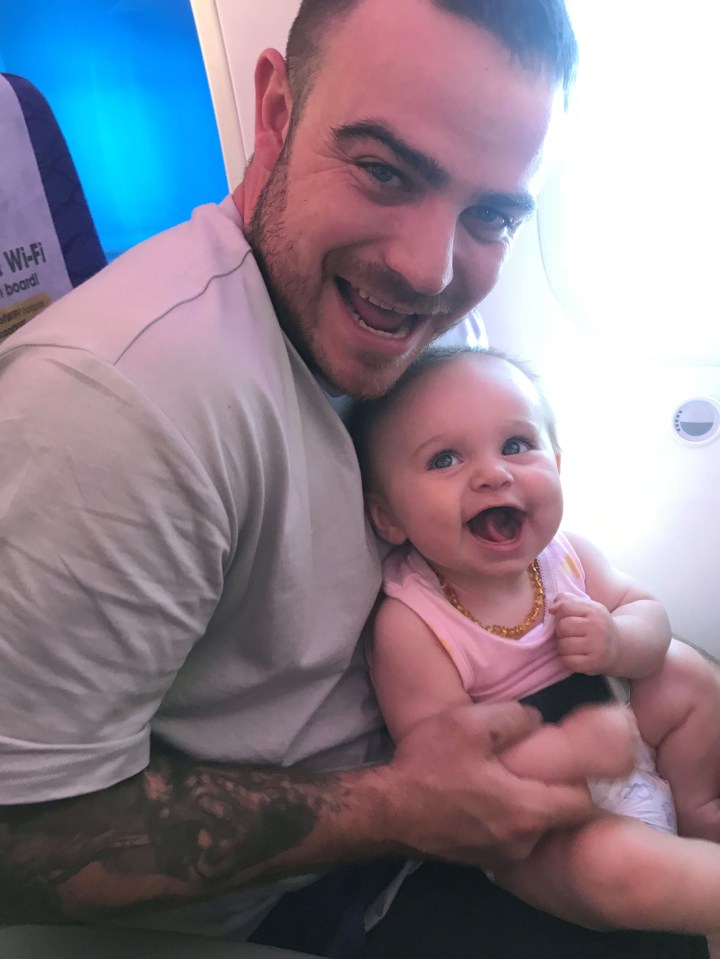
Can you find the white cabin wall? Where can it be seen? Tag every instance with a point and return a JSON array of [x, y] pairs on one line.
[[232, 34]]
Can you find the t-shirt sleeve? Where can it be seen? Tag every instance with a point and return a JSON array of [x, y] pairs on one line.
[[113, 544]]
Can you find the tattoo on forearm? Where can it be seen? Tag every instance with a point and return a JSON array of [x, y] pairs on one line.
[[176, 831]]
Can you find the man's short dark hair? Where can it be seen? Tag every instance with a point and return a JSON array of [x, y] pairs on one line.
[[537, 32]]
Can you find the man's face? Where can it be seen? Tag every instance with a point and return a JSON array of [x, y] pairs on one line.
[[394, 202]]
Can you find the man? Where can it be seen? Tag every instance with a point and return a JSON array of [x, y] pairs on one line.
[[186, 569]]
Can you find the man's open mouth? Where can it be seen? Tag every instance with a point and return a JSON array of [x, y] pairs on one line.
[[378, 317], [499, 524]]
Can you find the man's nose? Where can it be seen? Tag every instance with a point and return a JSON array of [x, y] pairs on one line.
[[422, 248]]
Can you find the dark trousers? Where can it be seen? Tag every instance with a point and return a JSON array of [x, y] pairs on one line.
[[445, 911]]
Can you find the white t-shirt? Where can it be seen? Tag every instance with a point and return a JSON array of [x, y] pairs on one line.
[[182, 533]]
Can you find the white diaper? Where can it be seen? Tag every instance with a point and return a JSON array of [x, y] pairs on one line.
[[644, 795]]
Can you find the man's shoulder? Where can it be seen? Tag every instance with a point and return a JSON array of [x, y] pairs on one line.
[[181, 325], [155, 284]]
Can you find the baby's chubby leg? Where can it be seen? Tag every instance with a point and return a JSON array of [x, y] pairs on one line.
[[678, 713], [613, 871], [618, 873]]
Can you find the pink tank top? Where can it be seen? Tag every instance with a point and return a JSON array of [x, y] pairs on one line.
[[492, 669]]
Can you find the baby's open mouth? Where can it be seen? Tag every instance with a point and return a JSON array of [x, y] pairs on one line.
[[499, 524]]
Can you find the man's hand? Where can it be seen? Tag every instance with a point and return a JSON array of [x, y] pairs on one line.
[[587, 636], [460, 788]]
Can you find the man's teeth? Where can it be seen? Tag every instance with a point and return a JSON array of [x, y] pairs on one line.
[[399, 334], [383, 306]]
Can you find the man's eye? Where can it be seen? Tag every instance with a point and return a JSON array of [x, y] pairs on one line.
[[487, 223], [383, 173], [443, 460], [486, 214], [516, 445]]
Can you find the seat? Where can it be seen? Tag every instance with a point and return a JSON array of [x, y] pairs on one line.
[[48, 240], [70, 942]]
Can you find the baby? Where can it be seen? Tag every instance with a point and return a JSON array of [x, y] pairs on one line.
[[486, 600]]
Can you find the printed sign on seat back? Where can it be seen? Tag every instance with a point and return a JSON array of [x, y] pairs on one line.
[[48, 241]]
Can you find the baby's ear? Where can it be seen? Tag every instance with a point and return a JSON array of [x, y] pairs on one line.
[[382, 518]]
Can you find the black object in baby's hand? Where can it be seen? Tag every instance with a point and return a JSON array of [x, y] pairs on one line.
[[556, 701]]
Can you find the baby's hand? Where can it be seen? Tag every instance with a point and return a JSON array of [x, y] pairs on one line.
[[586, 634]]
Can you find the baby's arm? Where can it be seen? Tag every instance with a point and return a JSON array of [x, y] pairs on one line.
[[618, 629], [414, 677], [489, 764]]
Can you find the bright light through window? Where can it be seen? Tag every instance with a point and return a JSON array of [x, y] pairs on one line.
[[630, 222]]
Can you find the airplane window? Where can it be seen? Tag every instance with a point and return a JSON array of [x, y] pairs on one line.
[[126, 81], [629, 221]]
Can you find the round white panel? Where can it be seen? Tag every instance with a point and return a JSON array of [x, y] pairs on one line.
[[697, 420]]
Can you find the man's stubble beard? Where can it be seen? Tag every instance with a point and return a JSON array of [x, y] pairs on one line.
[[265, 232], [272, 247]]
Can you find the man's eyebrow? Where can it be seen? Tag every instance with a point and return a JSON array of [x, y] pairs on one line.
[[524, 203], [428, 168]]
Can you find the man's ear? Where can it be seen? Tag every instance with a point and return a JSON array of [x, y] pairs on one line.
[[384, 523], [273, 105]]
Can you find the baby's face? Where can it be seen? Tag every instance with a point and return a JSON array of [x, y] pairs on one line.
[[465, 470]]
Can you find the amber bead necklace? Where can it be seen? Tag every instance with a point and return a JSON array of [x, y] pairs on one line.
[[506, 632]]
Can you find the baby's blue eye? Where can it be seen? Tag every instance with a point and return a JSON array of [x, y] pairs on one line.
[[515, 445], [443, 460]]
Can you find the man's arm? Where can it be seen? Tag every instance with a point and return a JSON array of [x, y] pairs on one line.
[[181, 832], [177, 831]]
